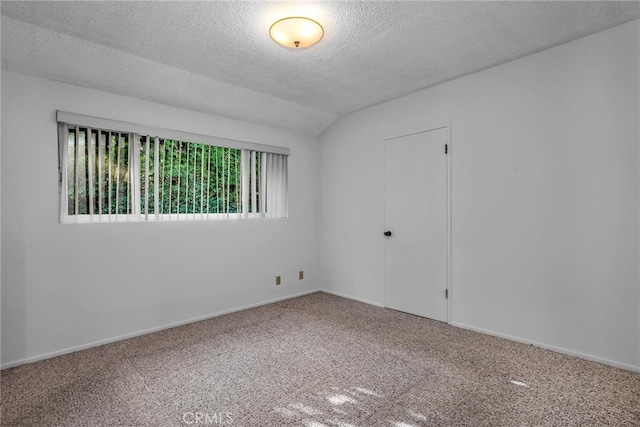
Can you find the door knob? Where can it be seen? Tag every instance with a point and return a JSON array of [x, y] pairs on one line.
[[387, 233]]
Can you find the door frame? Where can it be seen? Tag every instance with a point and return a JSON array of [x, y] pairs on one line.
[[447, 127]]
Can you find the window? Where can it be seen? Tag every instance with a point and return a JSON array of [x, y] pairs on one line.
[[115, 171]]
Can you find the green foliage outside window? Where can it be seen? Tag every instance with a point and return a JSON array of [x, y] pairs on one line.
[[192, 178]]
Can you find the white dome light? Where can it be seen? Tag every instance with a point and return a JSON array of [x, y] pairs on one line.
[[296, 32]]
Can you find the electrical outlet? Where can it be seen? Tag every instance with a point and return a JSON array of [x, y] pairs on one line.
[[300, 275], [277, 280]]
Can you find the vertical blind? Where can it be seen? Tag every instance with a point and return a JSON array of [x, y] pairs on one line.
[[108, 175]]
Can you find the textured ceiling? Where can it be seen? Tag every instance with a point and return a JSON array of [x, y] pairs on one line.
[[217, 57]]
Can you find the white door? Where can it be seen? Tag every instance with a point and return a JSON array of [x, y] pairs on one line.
[[416, 260]]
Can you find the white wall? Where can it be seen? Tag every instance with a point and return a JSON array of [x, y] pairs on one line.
[[65, 286], [545, 196]]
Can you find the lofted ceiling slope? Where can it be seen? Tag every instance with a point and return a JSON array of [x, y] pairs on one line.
[[217, 57]]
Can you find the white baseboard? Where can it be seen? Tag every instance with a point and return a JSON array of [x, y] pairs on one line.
[[258, 304], [147, 331], [512, 338], [338, 294], [551, 347]]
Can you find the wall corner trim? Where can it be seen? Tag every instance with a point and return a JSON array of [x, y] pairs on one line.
[[362, 300]]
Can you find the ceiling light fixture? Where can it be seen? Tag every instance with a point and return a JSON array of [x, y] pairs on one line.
[[296, 32]]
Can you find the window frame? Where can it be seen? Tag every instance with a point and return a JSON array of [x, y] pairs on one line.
[[66, 119]]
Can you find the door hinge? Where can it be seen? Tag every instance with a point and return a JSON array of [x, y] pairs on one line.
[[446, 148], [446, 293]]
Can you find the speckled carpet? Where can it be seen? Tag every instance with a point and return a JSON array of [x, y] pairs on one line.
[[318, 360]]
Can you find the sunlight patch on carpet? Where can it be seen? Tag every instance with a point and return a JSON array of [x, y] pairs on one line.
[[305, 409], [417, 415], [341, 399], [366, 391]]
